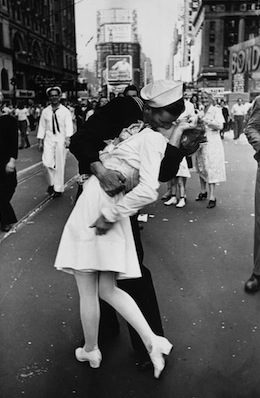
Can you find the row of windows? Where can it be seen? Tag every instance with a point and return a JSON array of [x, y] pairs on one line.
[[235, 7]]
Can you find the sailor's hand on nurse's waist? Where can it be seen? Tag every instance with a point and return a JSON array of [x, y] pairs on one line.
[[110, 180], [102, 225]]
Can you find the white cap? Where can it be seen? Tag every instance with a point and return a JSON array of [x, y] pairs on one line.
[[56, 88], [162, 93]]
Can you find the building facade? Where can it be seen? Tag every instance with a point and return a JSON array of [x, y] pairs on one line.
[[218, 25], [37, 48], [118, 49], [181, 64]]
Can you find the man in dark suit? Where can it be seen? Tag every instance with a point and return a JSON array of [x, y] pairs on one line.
[[8, 155], [252, 132]]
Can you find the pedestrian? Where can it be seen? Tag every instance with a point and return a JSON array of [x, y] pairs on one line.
[[131, 90], [85, 145], [177, 186], [97, 244], [22, 115], [102, 102], [179, 183], [225, 113], [54, 132], [92, 108], [210, 159], [238, 114], [252, 132], [8, 156]]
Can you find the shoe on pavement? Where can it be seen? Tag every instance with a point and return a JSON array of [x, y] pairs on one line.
[[166, 196], [50, 189], [6, 227], [94, 357], [212, 204], [181, 203], [171, 201], [252, 285], [57, 194]]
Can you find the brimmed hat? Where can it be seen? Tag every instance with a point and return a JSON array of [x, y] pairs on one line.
[[162, 93], [56, 88]]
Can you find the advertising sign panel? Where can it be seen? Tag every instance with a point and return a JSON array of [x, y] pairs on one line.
[[245, 65], [117, 33], [119, 68]]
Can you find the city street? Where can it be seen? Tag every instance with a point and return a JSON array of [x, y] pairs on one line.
[[199, 258]]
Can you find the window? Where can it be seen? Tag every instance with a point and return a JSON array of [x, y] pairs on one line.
[[211, 56], [212, 26], [4, 79], [212, 37], [220, 8]]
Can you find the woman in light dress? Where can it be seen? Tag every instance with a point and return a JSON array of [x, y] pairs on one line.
[[210, 159], [97, 244]]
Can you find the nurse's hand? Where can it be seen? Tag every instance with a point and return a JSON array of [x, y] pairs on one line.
[[102, 225], [110, 180]]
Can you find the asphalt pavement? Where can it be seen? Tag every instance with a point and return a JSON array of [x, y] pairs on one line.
[[199, 258]]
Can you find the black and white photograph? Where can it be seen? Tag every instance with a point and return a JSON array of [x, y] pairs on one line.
[[129, 198]]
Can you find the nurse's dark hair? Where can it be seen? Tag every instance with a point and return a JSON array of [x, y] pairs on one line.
[[176, 108]]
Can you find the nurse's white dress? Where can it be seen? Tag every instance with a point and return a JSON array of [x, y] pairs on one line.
[[210, 157], [80, 248]]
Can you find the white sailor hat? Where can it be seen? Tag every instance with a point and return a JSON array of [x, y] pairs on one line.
[[162, 93], [56, 88]]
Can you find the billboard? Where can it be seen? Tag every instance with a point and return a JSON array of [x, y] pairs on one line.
[[117, 32], [119, 68], [244, 69], [115, 15]]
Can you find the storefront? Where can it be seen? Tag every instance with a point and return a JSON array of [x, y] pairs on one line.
[[244, 72]]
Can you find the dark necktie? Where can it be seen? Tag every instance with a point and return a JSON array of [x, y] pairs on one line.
[[55, 121]]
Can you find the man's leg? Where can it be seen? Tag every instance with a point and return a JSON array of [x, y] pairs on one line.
[[235, 128], [143, 292], [253, 283], [7, 188], [240, 125], [60, 161]]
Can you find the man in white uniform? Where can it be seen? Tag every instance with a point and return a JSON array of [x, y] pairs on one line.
[[55, 130], [238, 113]]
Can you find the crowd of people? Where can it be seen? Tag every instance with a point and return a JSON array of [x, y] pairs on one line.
[[124, 147]]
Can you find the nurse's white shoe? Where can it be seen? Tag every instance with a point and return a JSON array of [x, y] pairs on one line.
[[181, 203], [93, 357], [171, 201]]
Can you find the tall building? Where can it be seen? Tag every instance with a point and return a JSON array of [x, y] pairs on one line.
[[218, 25], [37, 47], [118, 49], [180, 65]]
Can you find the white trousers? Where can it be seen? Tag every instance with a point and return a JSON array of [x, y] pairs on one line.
[[54, 159]]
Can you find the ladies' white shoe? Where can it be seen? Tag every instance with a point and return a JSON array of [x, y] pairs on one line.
[[93, 357], [181, 203], [171, 201], [160, 347]]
